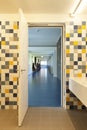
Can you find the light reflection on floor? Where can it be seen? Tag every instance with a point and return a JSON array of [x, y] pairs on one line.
[[44, 89]]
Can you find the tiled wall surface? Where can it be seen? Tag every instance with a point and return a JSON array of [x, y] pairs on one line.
[[9, 41], [76, 61], [76, 58]]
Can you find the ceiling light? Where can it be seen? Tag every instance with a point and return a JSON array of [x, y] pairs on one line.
[[78, 6]]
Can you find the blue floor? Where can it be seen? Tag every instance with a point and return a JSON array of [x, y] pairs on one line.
[[44, 89]]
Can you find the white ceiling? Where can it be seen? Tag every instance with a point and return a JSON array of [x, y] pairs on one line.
[[46, 52], [44, 36], [37, 6], [43, 40]]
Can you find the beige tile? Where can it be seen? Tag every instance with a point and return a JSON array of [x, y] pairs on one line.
[[45, 119]]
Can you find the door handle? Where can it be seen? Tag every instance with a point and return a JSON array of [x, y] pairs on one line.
[[23, 70]]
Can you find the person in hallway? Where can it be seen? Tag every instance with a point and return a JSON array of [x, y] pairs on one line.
[[38, 66], [33, 67]]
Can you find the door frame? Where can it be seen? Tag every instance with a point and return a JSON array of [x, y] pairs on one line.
[[62, 25]]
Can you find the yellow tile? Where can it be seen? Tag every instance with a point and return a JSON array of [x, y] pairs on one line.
[[86, 66], [83, 50], [3, 43], [67, 51], [79, 103], [83, 26], [0, 71], [17, 47], [11, 62], [6, 90], [79, 75], [86, 38], [67, 71], [67, 99], [75, 43], [15, 26], [17, 99], [67, 35], [79, 31], [14, 78]]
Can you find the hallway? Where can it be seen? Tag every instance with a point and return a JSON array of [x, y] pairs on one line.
[[44, 89]]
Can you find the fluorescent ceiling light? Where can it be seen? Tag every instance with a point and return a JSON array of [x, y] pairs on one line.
[[78, 6]]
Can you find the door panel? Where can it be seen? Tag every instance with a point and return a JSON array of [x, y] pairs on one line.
[[23, 68]]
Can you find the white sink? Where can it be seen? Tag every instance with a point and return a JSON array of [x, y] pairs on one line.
[[79, 87]]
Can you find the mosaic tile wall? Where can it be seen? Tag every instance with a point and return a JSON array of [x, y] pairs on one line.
[[9, 40], [76, 58]]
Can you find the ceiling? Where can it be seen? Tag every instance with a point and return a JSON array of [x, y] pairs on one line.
[[46, 52], [44, 36], [42, 51], [38, 6], [43, 40]]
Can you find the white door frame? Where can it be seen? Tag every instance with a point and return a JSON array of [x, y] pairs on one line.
[[62, 25]]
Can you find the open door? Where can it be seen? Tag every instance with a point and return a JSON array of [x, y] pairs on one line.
[[23, 68]]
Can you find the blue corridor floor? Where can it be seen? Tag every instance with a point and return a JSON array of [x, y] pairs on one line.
[[44, 89]]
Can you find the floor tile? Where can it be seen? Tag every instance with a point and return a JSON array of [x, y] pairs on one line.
[[45, 118], [44, 89]]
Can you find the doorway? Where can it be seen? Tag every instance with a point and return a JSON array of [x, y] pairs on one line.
[[56, 71]]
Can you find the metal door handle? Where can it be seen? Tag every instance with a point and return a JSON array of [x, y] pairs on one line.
[[23, 70]]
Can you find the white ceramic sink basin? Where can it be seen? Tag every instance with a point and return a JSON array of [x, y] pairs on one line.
[[79, 87]]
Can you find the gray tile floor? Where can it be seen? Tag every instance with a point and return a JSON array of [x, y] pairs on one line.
[[40, 118]]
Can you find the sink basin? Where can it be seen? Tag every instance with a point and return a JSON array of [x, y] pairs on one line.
[[78, 86]]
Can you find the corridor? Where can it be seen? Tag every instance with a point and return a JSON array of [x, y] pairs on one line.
[[44, 89]]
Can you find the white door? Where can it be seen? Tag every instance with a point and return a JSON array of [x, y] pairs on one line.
[[23, 68]]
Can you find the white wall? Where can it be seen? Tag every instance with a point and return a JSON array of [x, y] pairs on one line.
[[9, 17], [55, 63], [52, 63], [30, 60], [44, 18], [43, 62], [59, 59], [53, 18]]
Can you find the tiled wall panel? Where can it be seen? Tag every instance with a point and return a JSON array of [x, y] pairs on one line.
[[9, 41], [76, 58], [76, 61]]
